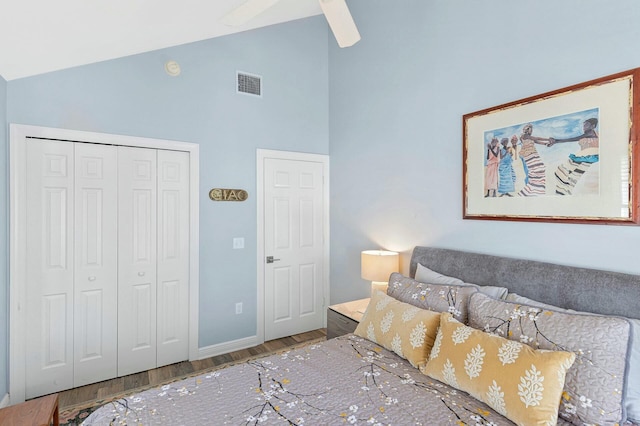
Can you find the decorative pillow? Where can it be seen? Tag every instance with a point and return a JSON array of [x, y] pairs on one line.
[[433, 297], [426, 275], [632, 396], [400, 327], [515, 298], [522, 384], [594, 387]]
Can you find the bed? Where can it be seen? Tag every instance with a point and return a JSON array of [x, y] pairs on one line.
[[454, 329]]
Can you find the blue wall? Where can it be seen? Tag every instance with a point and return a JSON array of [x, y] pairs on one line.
[[134, 96], [391, 107], [4, 244], [396, 104]]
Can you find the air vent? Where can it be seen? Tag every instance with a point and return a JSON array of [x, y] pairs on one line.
[[249, 84]]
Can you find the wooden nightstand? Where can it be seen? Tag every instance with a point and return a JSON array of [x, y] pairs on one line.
[[343, 318], [39, 412]]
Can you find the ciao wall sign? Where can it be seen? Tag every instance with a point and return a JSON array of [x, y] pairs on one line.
[[222, 194]]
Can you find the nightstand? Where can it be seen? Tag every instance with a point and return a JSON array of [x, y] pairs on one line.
[[39, 411], [343, 318]]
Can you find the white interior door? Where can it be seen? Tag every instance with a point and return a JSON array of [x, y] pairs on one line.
[[293, 237], [137, 260], [95, 292], [49, 267], [173, 257]]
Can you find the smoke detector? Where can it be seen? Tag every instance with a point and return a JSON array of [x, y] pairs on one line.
[[172, 68]]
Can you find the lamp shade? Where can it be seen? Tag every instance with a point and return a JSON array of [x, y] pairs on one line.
[[377, 265]]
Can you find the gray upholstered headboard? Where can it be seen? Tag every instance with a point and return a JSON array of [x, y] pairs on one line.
[[581, 289]]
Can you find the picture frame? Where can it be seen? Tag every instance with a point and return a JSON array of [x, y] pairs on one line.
[[540, 159]]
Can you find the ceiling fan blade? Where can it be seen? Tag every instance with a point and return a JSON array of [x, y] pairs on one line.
[[246, 11], [341, 22]]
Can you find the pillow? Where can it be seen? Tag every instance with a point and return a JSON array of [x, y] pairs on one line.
[[519, 382], [632, 396], [515, 298], [433, 297], [400, 327], [594, 387], [426, 275]]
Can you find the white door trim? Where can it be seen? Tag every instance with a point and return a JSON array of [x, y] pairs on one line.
[[17, 252], [261, 155]]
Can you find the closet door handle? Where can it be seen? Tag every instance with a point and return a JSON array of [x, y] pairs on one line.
[[92, 278], [141, 274]]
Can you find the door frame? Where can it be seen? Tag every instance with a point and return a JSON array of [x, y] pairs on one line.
[[261, 156], [18, 133]]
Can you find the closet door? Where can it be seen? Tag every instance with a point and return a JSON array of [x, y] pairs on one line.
[[96, 263], [106, 266], [173, 257], [49, 267], [136, 260]]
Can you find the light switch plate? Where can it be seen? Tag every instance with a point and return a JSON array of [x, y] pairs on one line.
[[238, 243]]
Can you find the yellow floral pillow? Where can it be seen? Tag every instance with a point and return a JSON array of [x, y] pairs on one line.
[[522, 384], [400, 327]]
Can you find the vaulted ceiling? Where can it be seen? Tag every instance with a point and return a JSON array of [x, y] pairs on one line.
[[38, 36]]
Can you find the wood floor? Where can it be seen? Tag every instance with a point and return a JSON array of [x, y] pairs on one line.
[[160, 375]]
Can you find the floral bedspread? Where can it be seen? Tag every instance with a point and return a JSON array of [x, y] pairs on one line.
[[347, 380]]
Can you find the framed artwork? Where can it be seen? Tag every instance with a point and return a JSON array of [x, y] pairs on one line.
[[569, 155]]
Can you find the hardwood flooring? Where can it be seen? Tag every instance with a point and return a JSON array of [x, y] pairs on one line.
[[160, 375]]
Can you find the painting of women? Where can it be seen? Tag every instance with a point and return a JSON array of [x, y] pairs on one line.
[[506, 173], [569, 173], [491, 168], [534, 166]]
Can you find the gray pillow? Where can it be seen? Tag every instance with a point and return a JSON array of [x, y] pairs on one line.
[[594, 385], [632, 396], [433, 297], [426, 275], [516, 298]]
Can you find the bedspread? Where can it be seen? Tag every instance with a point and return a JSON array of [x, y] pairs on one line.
[[347, 380]]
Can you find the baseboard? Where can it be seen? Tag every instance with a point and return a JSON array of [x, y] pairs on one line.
[[5, 401], [226, 347]]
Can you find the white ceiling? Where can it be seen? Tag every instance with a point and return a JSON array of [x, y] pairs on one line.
[[38, 36]]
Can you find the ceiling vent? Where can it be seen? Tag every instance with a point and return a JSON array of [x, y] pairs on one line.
[[249, 84]]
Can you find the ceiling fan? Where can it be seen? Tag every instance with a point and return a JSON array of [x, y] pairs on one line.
[[336, 11]]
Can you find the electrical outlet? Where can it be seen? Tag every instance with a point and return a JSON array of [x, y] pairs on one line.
[[238, 243], [238, 308]]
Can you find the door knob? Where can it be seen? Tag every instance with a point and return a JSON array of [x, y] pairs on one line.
[[270, 259]]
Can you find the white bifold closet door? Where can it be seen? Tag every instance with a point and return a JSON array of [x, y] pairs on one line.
[[172, 317], [153, 282], [96, 263], [71, 265], [137, 260], [107, 270]]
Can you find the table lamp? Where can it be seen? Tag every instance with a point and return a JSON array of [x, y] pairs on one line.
[[376, 266]]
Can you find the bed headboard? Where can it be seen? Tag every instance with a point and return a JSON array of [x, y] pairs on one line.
[[581, 289]]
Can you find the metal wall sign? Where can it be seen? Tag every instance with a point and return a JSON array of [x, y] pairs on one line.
[[222, 194]]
